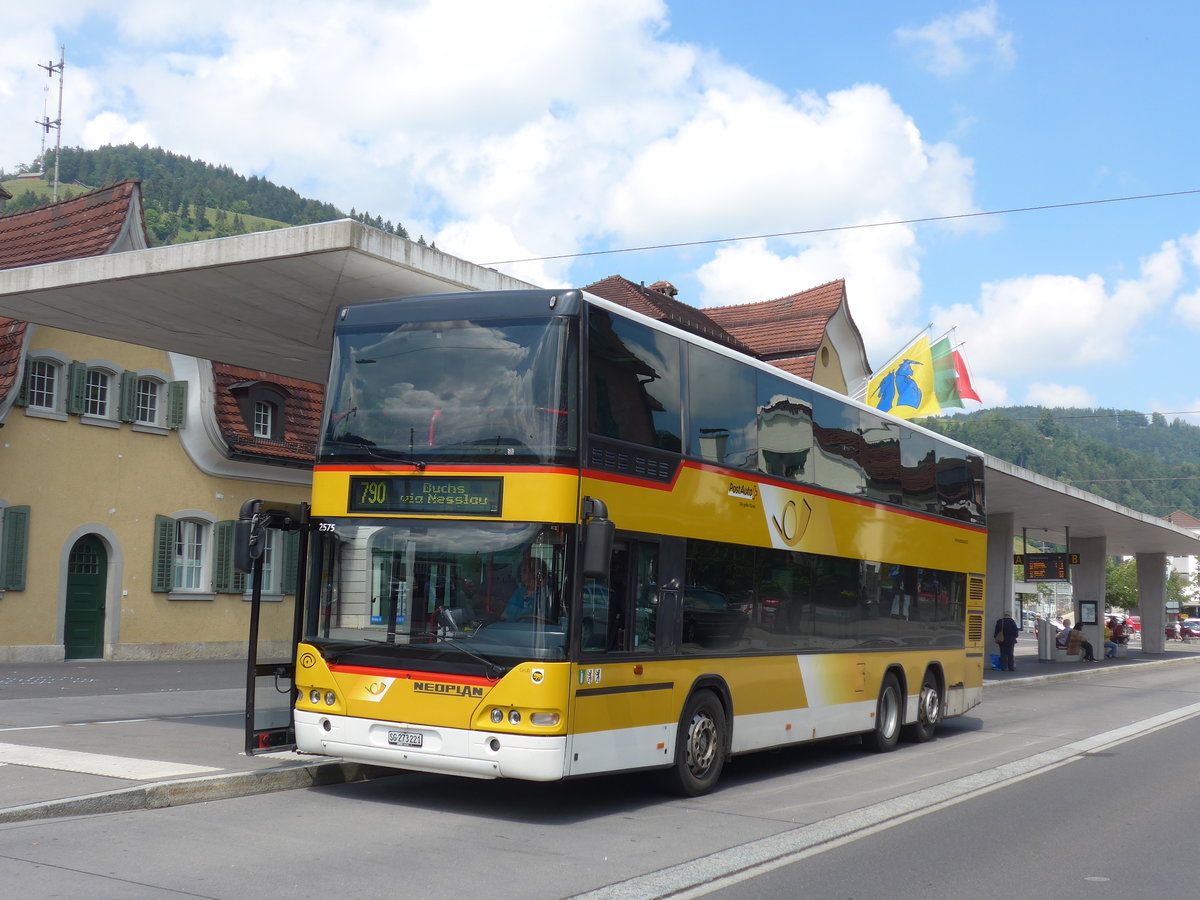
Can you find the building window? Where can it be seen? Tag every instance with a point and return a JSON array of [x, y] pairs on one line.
[[147, 401], [151, 402], [41, 386], [183, 556], [189, 555], [263, 406], [264, 418], [96, 393]]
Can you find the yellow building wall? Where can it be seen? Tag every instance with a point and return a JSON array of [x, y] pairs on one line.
[[80, 479]]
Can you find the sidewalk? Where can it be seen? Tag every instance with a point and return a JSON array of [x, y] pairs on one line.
[[79, 738], [1030, 668]]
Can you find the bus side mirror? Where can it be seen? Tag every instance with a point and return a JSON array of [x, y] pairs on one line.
[[598, 532], [248, 537]]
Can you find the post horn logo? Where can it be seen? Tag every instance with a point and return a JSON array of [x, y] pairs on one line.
[[792, 521]]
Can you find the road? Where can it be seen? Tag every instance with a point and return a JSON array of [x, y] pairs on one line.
[[1054, 789]]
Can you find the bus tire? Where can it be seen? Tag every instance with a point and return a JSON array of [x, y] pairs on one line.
[[699, 746], [888, 717], [929, 711]]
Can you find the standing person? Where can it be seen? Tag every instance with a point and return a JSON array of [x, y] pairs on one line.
[[1076, 644], [1006, 636]]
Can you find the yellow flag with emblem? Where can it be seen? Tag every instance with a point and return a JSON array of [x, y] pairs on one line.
[[905, 387]]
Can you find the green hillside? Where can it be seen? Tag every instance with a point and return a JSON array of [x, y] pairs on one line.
[[1142, 461], [184, 199]]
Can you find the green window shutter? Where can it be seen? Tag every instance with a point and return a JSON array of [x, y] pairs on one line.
[[163, 574], [129, 383], [176, 403], [290, 560], [15, 551], [223, 557], [23, 393], [76, 386]]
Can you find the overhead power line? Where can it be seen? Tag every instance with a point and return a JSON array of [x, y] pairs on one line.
[[782, 234]]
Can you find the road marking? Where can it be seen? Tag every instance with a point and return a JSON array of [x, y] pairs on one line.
[[725, 868], [96, 763], [89, 723]]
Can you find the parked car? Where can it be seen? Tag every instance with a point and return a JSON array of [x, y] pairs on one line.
[[1134, 622], [1183, 630]]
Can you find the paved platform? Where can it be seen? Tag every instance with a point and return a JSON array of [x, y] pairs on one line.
[[79, 738]]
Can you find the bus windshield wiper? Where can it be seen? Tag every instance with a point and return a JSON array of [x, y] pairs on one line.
[[495, 671], [352, 442]]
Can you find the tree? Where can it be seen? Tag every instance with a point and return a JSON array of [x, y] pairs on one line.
[[1121, 584]]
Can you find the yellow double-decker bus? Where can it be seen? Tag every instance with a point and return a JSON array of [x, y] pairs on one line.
[[551, 537]]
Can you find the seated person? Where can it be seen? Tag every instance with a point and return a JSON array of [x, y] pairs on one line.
[[1077, 644], [1061, 640], [1119, 634], [1110, 646], [533, 598]]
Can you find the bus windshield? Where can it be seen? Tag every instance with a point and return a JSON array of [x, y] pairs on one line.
[[495, 390], [492, 591]]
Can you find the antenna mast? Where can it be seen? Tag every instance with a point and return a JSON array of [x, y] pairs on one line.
[[52, 67]]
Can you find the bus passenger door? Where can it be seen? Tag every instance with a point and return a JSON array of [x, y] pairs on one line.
[[624, 717]]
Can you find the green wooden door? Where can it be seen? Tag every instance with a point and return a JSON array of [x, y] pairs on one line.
[[87, 572]]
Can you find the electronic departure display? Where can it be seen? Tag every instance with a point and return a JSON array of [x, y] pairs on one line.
[[1046, 567], [428, 496]]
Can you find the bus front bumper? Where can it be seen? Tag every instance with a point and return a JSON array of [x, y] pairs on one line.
[[445, 751]]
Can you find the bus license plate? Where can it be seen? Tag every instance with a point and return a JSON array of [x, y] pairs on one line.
[[405, 738]]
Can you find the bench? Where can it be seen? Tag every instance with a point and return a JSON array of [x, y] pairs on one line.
[[1061, 655], [1121, 652]]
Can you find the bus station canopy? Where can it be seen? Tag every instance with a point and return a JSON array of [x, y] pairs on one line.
[[265, 301], [268, 301]]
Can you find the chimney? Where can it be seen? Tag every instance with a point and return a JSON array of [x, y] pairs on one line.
[[665, 287]]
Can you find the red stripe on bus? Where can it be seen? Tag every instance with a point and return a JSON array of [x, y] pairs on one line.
[[411, 674]]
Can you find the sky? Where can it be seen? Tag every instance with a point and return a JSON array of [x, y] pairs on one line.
[[962, 165]]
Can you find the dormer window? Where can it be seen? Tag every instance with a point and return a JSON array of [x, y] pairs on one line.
[[263, 406]]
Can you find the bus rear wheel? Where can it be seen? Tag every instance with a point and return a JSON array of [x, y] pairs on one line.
[[929, 711], [888, 716], [699, 746]]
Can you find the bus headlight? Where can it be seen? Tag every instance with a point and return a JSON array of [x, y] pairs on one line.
[[547, 719], [497, 715], [330, 698], [514, 717], [314, 696]]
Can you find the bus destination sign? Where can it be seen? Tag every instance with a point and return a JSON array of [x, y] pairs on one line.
[[431, 496], [1046, 567]]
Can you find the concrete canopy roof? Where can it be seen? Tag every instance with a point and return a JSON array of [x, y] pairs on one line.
[[265, 300], [1037, 502], [268, 301]]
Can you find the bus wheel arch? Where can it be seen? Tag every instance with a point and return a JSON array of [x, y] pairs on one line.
[[702, 740], [931, 706], [889, 714]]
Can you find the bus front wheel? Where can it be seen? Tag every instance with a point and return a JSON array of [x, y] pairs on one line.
[[888, 715], [699, 746]]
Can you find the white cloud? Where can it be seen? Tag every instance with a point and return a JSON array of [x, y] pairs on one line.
[[1034, 325], [114, 128], [1042, 393], [953, 44]]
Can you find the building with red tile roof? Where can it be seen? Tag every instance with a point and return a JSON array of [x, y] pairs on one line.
[[810, 333], [124, 467]]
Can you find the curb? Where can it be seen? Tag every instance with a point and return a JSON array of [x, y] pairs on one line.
[[162, 794]]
